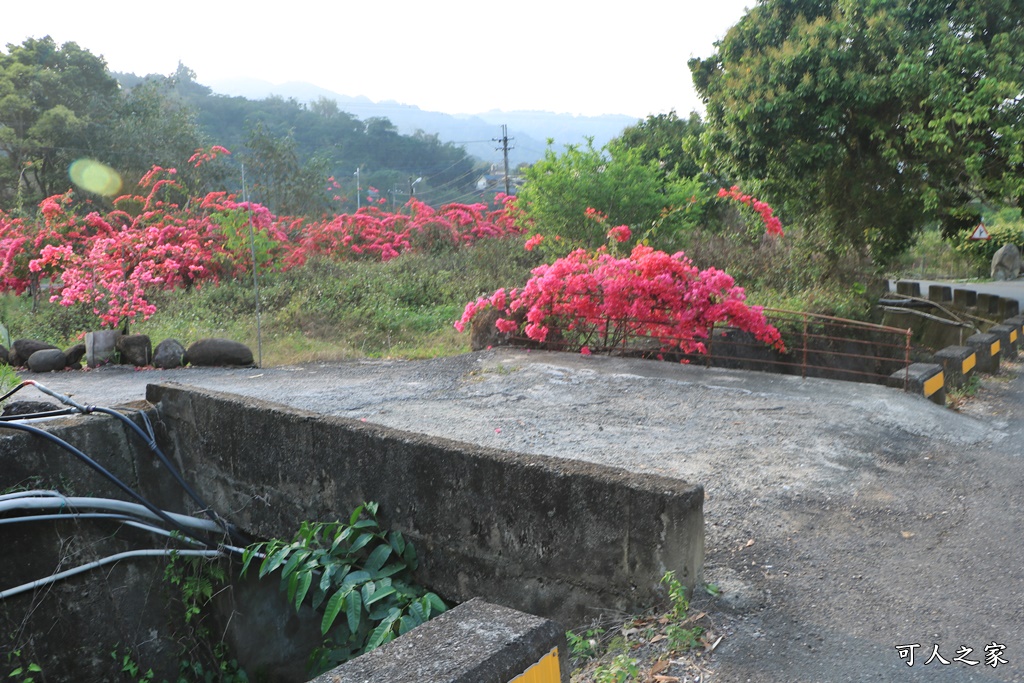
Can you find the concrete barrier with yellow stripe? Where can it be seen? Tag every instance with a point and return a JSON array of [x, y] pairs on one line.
[[476, 642], [926, 379]]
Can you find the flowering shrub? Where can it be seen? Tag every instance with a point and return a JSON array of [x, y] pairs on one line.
[[112, 262], [772, 224], [594, 301], [374, 232]]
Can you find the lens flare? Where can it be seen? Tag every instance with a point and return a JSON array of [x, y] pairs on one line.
[[95, 177]]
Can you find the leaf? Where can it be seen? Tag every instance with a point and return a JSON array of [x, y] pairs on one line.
[[273, 561], [355, 578], [331, 611], [377, 558], [382, 633], [361, 542], [305, 579], [379, 595], [293, 562], [436, 603], [353, 611]]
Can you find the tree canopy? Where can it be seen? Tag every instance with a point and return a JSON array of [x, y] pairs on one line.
[[872, 118]]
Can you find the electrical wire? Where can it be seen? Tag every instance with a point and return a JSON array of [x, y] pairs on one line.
[[155, 552]]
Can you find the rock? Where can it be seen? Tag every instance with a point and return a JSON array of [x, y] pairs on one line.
[[75, 355], [4, 355], [169, 354], [484, 335], [100, 347], [22, 350], [135, 349], [47, 360], [208, 352], [1006, 263], [28, 408]]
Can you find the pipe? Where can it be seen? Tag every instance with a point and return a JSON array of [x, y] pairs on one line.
[[108, 505], [93, 464], [53, 578]]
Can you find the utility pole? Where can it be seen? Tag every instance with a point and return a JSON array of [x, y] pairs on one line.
[[504, 147], [358, 189]]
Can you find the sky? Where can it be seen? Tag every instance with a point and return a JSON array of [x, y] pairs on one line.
[[453, 56]]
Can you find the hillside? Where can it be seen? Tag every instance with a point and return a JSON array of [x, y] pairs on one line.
[[476, 132]]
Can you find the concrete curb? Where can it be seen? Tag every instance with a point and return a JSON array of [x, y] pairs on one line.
[[476, 641]]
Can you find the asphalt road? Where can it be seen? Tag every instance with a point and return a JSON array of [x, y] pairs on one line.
[[842, 519]]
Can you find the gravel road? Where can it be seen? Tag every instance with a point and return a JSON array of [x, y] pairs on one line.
[[842, 519]]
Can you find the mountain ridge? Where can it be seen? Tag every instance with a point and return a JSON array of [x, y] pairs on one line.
[[479, 133]]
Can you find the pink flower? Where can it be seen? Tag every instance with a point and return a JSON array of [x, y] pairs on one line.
[[620, 233], [534, 241], [585, 351]]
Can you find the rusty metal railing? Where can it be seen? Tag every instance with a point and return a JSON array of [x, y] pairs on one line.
[[816, 346]]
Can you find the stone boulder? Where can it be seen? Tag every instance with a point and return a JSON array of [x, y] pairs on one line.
[[22, 350], [169, 354], [75, 355], [15, 408], [47, 360], [484, 335], [214, 352], [1006, 263], [135, 349]]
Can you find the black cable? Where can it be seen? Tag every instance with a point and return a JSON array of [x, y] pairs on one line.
[[100, 469], [150, 440]]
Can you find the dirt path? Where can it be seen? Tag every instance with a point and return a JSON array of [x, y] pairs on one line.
[[842, 519]]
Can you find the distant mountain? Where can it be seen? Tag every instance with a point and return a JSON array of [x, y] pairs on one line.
[[476, 132]]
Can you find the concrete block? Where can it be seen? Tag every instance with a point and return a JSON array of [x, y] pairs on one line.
[[1008, 308], [988, 348], [923, 378], [472, 643], [965, 298], [987, 304], [1009, 339], [908, 288], [958, 364], [1017, 323], [940, 293]]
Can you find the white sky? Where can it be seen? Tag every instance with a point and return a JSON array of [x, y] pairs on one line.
[[453, 56]]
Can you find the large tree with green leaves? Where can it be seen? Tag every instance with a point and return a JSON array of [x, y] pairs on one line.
[[625, 184], [872, 118], [55, 102]]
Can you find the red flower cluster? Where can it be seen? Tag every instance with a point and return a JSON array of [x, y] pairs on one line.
[[597, 302], [372, 231], [110, 261], [772, 223]]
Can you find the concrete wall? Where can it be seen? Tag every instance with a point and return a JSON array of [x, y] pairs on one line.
[[557, 538]]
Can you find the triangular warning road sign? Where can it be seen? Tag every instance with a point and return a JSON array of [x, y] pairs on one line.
[[980, 233]]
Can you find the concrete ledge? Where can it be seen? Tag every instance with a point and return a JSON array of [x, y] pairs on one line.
[[923, 378], [1008, 339], [965, 298], [555, 537], [988, 348], [958, 364], [475, 642]]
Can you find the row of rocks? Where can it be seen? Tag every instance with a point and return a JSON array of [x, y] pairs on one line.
[[134, 349]]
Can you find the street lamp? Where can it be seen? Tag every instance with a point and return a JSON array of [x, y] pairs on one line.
[[412, 185]]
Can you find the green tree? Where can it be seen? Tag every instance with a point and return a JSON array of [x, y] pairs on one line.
[[280, 179], [872, 119], [54, 105], [615, 180], [671, 141]]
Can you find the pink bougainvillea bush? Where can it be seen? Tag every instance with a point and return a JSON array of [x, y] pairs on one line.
[[595, 302]]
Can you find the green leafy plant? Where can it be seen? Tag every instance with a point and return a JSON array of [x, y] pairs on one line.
[[621, 670], [357, 574], [584, 646], [22, 671]]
